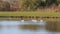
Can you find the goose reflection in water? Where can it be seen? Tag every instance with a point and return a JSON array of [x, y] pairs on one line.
[[12, 27]]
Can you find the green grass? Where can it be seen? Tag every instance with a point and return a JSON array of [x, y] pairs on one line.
[[30, 14], [40, 14]]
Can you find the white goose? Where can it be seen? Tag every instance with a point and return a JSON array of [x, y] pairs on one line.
[[34, 20]]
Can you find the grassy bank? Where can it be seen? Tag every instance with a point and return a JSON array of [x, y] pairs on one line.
[[40, 14], [30, 14]]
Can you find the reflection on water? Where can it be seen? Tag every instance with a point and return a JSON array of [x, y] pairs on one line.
[[12, 27]]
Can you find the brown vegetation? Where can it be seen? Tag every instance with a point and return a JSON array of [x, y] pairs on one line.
[[27, 5], [6, 6]]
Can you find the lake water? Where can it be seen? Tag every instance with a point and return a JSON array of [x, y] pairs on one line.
[[11, 27]]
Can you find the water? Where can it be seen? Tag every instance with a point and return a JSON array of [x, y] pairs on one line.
[[11, 27]]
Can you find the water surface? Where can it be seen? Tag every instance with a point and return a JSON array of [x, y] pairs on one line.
[[11, 27]]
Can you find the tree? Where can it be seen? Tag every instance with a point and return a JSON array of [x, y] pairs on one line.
[[50, 2], [58, 1], [34, 4], [6, 6]]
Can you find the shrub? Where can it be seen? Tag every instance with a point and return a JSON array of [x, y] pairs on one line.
[[34, 4]]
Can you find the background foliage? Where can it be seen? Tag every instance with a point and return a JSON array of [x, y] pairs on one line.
[[34, 4]]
